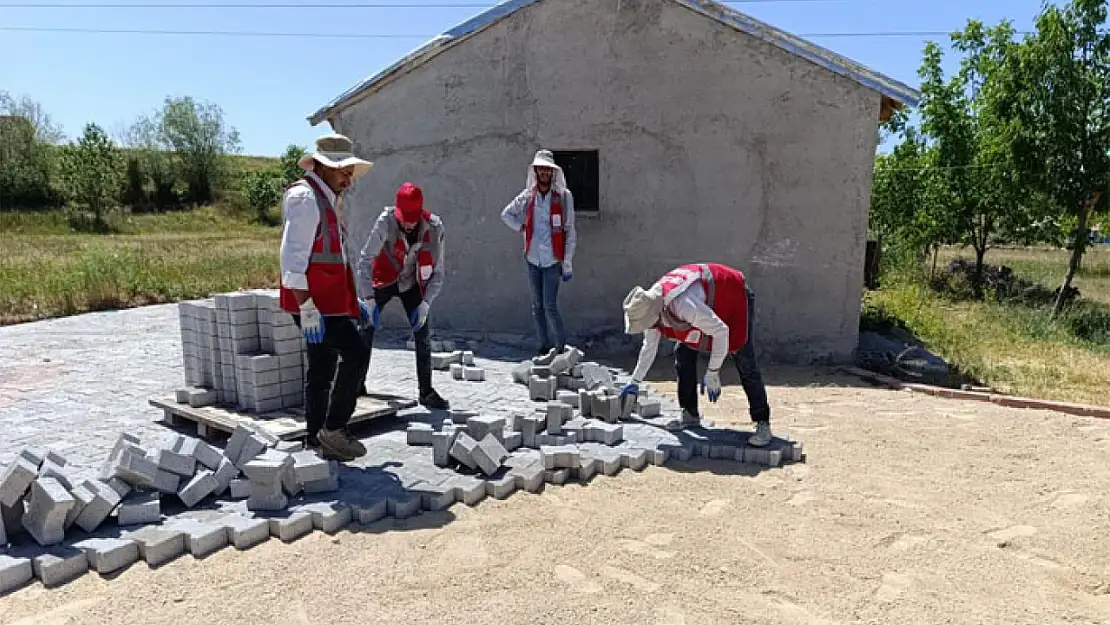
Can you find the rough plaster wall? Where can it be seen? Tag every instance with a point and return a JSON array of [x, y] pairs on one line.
[[747, 156]]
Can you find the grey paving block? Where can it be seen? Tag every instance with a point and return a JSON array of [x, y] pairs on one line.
[[419, 434], [458, 371], [569, 398], [123, 441], [327, 516], [585, 403], [481, 425], [240, 489], [513, 441], [81, 498], [208, 456], [308, 467], [558, 413], [252, 447], [201, 539], [327, 484], [436, 497], [157, 545], [369, 510], [108, 555], [57, 470], [235, 443], [178, 464], [502, 486], [290, 526], [468, 358], [244, 532], [521, 372], [134, 468], [463, 449], [649, 408], [558, 476], [529, 477], [33, 454], [165, 482], [225, 473], [60, 565], [47, 507], [403, 505], [542, 389], [441, 447], [468, 489], [201, 486], [17, 480], [140, 508], [633, 458], [587, 468], [489, 453], [474, 374], [15, 573]]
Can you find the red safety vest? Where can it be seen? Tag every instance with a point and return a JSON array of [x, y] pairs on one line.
[[725, 293], [331, 281], [387, 265], [558, 228]]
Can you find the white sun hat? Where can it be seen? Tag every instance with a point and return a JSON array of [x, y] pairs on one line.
[[544, 158], [335, 150]]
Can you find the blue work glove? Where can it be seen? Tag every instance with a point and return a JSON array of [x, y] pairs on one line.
[[632, 389], [568, 271], [419, 316], [369, 313], [711, 385], [312, 323]]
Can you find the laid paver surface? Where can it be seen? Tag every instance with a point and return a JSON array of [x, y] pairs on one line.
[[909, 509]]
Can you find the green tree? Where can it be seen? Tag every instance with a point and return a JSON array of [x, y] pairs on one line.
[[155, 160], [965, 121], [27, 141], [263, 191], [290, 170], [93, 172], [201, 142], [1060, 97]]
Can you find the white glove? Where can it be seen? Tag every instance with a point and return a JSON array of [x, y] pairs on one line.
[[711, 384], [419, 316], [312, 324], [568, 271]]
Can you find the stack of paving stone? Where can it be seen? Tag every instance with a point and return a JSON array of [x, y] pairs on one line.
[[240, 349]]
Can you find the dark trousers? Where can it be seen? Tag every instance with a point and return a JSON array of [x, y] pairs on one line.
[[336, 370], [544, 283], [686, 368], [410, 299]]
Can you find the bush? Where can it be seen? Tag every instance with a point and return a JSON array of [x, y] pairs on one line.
[[263, 191]]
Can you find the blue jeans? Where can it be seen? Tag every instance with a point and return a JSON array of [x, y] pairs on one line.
[[545, 306], [686, 367]]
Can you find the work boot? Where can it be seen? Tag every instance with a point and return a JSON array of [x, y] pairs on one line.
[[762, 434], [340, 445], [690, 420], [432, 401]]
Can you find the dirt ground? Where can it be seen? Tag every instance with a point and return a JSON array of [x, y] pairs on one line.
[[909, 510]]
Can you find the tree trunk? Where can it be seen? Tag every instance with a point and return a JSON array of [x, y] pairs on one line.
[[933, 269], [1076, 256], [980, 252]]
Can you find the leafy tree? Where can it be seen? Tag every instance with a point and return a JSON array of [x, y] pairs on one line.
[[93, 172], [263, 191], [156, 162], [201, 142], [27, 138], [290, 170], [1060, 96]]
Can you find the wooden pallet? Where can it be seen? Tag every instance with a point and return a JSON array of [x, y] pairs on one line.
[[286, 424]]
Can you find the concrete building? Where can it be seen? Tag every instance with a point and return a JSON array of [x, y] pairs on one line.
[[690, 132]]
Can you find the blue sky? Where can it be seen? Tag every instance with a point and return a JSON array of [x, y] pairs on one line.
[[267, 86]]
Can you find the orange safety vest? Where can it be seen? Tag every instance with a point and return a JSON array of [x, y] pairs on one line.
[[331, 281], [725, 293]]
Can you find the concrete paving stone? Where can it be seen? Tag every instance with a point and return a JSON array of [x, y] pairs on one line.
[[441, 447], [436, 497], [139, 508], [328, 484], [56, 470], [366, 510], [157, 545], [185, 446], [489, 453], [202, 485], [206, 455], [529, 477], [178, 464], [558, 413], [289, 484], [252, 447], [198, 398], [109, 555], [458, 371], [513, 441], [474, 374], [289, 526], [245, 533], [33, 454], [649, 408], [521, 372], [201, 539], [47, 507], [469, 489], [81, 498], [224, 475], [17, 480], [15, 573], [419, 434], [722, 452], [59, 565], [95, 512], [165, 482], [634, 458], [463, 449], [12, 518], [134, 468], [468, 358], [328, 516], [308, 467], [558, 476], [541, 389], [569, 398], [541, 371], [587, 468], [481, 425], [500, 487], [403, 505], [235, 443], [55, 458]]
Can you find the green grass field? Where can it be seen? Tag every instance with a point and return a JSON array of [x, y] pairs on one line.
[[1015, 348]]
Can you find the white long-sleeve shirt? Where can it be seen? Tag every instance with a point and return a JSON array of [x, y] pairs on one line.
[[688, 306], [407, 279], [301, 217], [542, 253]]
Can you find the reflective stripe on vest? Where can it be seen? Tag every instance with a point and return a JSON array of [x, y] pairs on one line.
[[325, 255], [684, 274]]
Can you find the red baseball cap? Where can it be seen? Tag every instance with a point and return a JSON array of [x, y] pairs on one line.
[[410, 203]]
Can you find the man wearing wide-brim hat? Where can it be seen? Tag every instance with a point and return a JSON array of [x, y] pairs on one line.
[[702, 307], [543, 213], [318, 289]]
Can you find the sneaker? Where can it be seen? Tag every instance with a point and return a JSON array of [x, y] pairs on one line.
[[690, 420], [340, 445], [762, 434], [432, 401]]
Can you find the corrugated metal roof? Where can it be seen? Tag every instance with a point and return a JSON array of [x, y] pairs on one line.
[[892, 89]]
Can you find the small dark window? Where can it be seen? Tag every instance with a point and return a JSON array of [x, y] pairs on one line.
[[581, 169]]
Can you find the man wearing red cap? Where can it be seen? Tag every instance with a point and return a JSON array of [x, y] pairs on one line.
[[403, 257], [318, 289]]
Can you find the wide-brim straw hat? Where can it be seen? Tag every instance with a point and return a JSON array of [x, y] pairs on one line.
[[335, 150], [641, 310]]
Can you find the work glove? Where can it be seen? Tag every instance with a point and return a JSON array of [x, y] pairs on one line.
[[369, 313], [419, 316], [631, 389], [711, 385], [312, 323], [568, 271]]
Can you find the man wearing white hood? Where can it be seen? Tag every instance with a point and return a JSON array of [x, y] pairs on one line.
[[544, 215], [702, 307]]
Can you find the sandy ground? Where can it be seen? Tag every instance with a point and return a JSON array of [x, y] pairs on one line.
[[909, 510]]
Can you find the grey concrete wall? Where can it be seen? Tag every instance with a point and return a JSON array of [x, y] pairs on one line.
[[714, 146]]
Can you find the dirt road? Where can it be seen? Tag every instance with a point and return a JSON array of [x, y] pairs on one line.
[[910, 510]]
